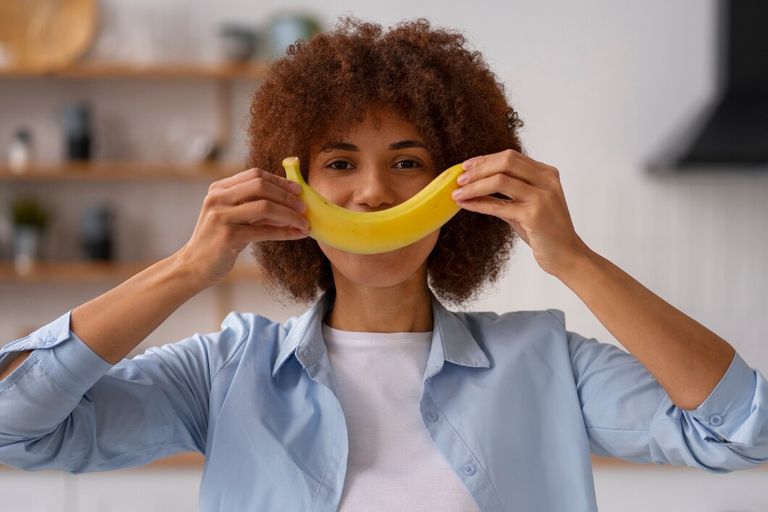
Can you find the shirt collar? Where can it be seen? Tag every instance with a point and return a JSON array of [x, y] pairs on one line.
[[451, 340]]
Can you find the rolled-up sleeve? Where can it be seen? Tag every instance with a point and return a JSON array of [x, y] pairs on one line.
[[629, 415], [728, 431], [44, 389], [67, 408]]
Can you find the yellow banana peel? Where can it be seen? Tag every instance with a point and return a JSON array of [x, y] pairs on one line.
[[381, 231]]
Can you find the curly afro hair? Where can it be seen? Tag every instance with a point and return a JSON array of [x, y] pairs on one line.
[[428, 77]]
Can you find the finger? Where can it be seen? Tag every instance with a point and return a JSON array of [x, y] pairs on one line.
[[260, 188], [508, 161], [505, 209], [550, 175], [264, 211], [239, 177], [513, 188], [253, 173]]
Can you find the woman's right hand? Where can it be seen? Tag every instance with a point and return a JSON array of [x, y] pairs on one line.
[[251, 206]]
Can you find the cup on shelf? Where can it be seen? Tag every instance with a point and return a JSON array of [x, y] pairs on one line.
[[20, 151], [189, 146], [239, 43], [285, 28]]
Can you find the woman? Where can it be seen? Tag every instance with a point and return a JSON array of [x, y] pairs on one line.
[[379, 397]]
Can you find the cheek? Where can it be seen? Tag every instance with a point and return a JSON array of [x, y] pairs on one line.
[[316, 185], [327, 191]]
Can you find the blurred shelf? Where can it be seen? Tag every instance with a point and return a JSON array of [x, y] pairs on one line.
[[120, 171], [196, 460], [180, 460], [127, 70], [77, 272]]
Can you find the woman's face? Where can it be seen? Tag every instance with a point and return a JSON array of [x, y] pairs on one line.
[[378, 164]]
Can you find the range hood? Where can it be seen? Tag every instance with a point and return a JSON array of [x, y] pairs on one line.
[[732, 133]]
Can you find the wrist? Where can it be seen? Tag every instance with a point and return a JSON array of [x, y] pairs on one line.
[[186, 274], [582, 262]]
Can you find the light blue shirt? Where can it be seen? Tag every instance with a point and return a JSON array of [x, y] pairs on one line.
[[514, 402]]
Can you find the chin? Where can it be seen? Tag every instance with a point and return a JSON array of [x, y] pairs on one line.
[[384, 269]]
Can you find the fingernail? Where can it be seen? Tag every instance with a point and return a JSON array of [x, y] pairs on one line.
[[463, 179], [295, 187], [457, 194], [300, 206], [469, 164]]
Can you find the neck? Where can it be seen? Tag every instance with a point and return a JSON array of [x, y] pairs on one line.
[[393, 309]]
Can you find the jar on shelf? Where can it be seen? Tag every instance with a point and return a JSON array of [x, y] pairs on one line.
[[20, 151]]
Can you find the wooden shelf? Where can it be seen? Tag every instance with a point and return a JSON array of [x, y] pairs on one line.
[[222, 73], [78, 272], [120, 171], [128, 70], [196, 460], [180, 460], [188, 461]]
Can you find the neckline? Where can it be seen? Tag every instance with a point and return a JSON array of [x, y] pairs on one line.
[[338, 334]]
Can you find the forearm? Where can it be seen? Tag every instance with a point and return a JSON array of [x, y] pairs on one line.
[[14, 364], [115, 322], [686, 358]]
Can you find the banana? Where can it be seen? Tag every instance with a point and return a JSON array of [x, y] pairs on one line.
[[382, 231]]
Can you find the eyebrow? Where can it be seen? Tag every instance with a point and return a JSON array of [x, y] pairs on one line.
[[346, 146]]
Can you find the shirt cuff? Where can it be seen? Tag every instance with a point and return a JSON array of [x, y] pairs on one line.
[[728, 405], [72, 364]]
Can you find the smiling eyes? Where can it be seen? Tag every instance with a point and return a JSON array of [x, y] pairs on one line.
[[412, 164]]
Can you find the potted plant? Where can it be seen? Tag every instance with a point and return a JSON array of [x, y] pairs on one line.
[[29, 218]]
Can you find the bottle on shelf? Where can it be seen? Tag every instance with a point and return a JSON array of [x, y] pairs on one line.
[[76, 121], [97, 233]]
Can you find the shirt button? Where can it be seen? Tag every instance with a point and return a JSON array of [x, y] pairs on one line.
[[469, 469], [432, 416], [716, 419]]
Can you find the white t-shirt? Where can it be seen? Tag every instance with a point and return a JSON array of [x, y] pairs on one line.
[[393, 463]]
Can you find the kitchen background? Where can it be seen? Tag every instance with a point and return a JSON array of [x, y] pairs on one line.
[[605, 89]]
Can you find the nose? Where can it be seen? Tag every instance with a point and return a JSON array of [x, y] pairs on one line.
[[373, 190]]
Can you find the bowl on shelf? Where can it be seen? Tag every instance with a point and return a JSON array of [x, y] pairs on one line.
[[42, 36]]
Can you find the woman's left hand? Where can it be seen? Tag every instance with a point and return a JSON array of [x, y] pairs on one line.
[[534, 205]]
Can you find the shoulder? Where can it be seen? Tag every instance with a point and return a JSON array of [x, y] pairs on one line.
[[515, 325], [527, 341], [240, 332], [240, 329]]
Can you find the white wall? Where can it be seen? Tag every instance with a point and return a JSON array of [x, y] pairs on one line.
[[602, 85]]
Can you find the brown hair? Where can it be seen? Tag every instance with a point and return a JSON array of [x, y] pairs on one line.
[[427, 76]]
